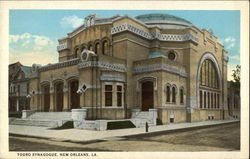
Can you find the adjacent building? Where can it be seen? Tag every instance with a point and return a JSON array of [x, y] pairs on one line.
[[115, 66], [18, 88], [234, 99]]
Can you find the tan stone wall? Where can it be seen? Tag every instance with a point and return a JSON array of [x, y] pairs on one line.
[[106, 113], [35, 100], [165, 114]]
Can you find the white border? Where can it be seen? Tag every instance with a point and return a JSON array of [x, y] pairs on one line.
[[243, 6]]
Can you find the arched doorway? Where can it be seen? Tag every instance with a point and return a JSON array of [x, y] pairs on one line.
[[74, 96], [46, 97], [59, 96], [147, 95]]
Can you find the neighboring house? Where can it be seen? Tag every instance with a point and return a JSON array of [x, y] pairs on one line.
[[115, 66], [18, 88], [233, 100]]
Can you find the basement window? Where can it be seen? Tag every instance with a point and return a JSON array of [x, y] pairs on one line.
[[171, 120]]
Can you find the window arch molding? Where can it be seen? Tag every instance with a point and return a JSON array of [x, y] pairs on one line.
[[97, 42], [45, 82], [144, 79], [207, 56], [174, 93], [168, 91], [77, 51], [106, 51], [182, 94], [90, 45], [211, 57]]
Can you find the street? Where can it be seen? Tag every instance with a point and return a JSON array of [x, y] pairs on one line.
[[215, 138]]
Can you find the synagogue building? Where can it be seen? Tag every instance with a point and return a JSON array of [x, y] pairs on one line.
[[122, 67]]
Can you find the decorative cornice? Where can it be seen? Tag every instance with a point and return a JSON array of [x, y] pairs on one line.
[[102, 64], [159, 67], [152, 35], [59, 65], [112, 78]]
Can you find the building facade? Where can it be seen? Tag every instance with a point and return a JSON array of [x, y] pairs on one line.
[[18, 88], [114, 66]]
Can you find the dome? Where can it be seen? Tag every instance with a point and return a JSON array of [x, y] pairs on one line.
[[160, 17], [155, 54], [164, 21]]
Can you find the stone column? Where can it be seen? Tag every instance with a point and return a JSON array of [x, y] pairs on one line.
[[52, 107], [66, 104], [17, 105]]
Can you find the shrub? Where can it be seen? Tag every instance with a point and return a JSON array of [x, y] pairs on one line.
[[120, 125], [158, 121], [67, 125]]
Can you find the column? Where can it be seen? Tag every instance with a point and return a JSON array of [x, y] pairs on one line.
[[52, 108], [114, 95], [66, 105], [17, 105], [202, 99]]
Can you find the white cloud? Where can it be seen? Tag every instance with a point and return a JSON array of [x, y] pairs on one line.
[[26, 43], [228, 42], [41, 40], [37, 42], [230, 46], [72, 21], [229, 39], [235, 57], [29, 49]]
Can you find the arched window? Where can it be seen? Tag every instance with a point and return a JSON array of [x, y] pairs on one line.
[[105, 50], [76, 53], [208, 85], [97, 48], [181, 96], [208, 75], [168, 93], [173, 94]]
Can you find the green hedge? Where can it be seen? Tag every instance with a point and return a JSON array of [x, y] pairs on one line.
[[120, 125], [67, 125]]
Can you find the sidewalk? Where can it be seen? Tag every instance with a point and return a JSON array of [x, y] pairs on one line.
[[88, 135]]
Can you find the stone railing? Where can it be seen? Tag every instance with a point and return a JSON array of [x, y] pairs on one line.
[[27, 113]]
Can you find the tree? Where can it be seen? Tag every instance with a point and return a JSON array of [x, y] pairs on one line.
[[236, 74], [236, 81]]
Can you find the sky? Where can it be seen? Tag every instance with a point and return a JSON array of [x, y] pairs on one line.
[[33, 34]]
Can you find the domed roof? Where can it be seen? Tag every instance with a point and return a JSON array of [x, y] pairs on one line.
[[161, 17], [155, 54]]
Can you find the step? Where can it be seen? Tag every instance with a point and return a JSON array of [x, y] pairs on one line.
[[44, 123], [51, 115]]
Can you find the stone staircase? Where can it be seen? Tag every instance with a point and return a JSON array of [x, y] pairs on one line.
[[140, 118], [46, 119]]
